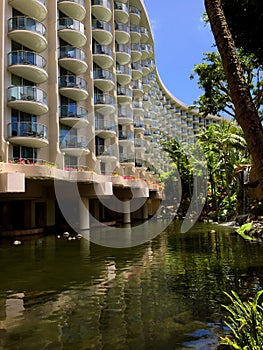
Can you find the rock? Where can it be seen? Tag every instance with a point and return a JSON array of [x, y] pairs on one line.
[[241, 219]]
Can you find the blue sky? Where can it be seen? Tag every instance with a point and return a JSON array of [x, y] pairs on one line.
[[180, 40]]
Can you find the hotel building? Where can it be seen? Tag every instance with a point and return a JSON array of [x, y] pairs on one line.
[[81, 100]]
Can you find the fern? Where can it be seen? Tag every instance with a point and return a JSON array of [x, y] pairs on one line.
[[245, 320]]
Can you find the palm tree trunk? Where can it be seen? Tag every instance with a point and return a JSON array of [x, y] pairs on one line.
[[246, 112]]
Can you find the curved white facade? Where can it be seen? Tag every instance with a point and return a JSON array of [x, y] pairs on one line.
[[80, 90]]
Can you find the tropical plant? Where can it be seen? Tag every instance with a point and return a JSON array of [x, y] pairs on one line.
[[224, 147], [245, 320], [212, 80]]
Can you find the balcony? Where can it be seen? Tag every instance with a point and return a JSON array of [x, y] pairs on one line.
[[127, 158], [123, 74], [126, 138], [104, 103], [101, 9], [72, 59], [139, 126], [28, 134], [104, 128], [148, 134], [123, 54], [136, 52], [145, 51], [136, 70], [146, 67], [138, 108], [73, 116], [124, 94], [135, 34], [106, 153], [71, 31], [122, 33], [146, 84], [140, 163], [137, 88], [28, 99], [102, 56], [28, 65], [32, 8], [102, 32], [147, 118], [121, 12], [135, 15], [73, 87], [73, 8], [103, 79], [125, 114], [74, 145], [144, 35], [28, 32], [147, 101]]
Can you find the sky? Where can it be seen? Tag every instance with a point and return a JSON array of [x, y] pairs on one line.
[[180, 38]]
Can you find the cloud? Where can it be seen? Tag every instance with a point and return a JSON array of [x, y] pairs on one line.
[[155, 25]]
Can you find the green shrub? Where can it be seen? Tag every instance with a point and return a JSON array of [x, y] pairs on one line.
[[245, 320]]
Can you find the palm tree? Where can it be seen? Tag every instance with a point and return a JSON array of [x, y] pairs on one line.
[[246, 112]]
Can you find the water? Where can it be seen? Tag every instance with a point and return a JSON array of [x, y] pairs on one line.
[[162, 295]]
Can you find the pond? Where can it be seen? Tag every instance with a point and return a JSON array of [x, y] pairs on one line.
[[167, 293]]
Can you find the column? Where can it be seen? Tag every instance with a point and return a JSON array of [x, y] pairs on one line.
[[145, 211], [84, 222], [126, 212]]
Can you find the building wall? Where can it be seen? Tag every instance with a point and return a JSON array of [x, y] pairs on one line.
[[80, 89]]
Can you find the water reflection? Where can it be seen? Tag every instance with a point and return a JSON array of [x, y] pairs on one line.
[[164, 294]]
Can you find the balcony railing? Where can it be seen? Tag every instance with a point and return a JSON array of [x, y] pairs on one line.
[[137, 104], [28, 93], [123, 91], [72, 52], [126, 135], [108, 151], [103, 74], [104, 3], [122, 48], [70, 23], [103, 99], [135, 28], [121, 6], [125, 112], [27, 129], [96, 24], [102, 124], [138, 124], [73, 141], [102, 50], [123, 69], [26, 23], [122, 27], [137, 85], [136, 47], [72, 111], [80, 2], [26, 58], [134, 10], [144, 31], [127, 157], [71, 81], [136, 66]]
